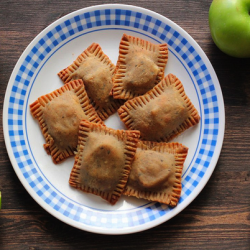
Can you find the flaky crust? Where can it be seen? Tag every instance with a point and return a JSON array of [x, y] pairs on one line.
[[139, 68], [162, 113], [168, 188], [88, 173], [96, 70], [73, 96]]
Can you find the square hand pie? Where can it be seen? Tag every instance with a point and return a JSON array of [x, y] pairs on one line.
[[102, 164], [156, 172], [59, 114], [139, 68], [162, 113], [96, 70]]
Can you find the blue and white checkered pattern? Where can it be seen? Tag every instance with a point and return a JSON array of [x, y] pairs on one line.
[[89, 21]]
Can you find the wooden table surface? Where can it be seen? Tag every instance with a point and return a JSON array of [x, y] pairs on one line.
[[219, 218]]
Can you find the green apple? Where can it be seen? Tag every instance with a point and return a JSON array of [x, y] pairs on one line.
[[229, 22]]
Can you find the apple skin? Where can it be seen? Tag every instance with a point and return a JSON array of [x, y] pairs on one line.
[[229, 22]]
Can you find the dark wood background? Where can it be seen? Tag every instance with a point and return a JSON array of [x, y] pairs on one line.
[[219, 218]]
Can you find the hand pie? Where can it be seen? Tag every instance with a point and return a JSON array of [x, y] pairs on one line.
[[103, 161], [59, 114], [162, 113], [139, 68], [156, 172], [96, 70]]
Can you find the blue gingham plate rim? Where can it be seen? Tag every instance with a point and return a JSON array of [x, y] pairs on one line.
[[115, 15]]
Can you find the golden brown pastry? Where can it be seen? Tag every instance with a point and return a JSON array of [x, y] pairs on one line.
[[139, 68], [162, 113], [156, 172], [59, 114], [96, 70], [103, 161]]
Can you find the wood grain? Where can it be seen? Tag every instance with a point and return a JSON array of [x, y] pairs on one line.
[[219, 218]]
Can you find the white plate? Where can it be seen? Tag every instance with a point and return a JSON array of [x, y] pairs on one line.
[[35, 74]]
